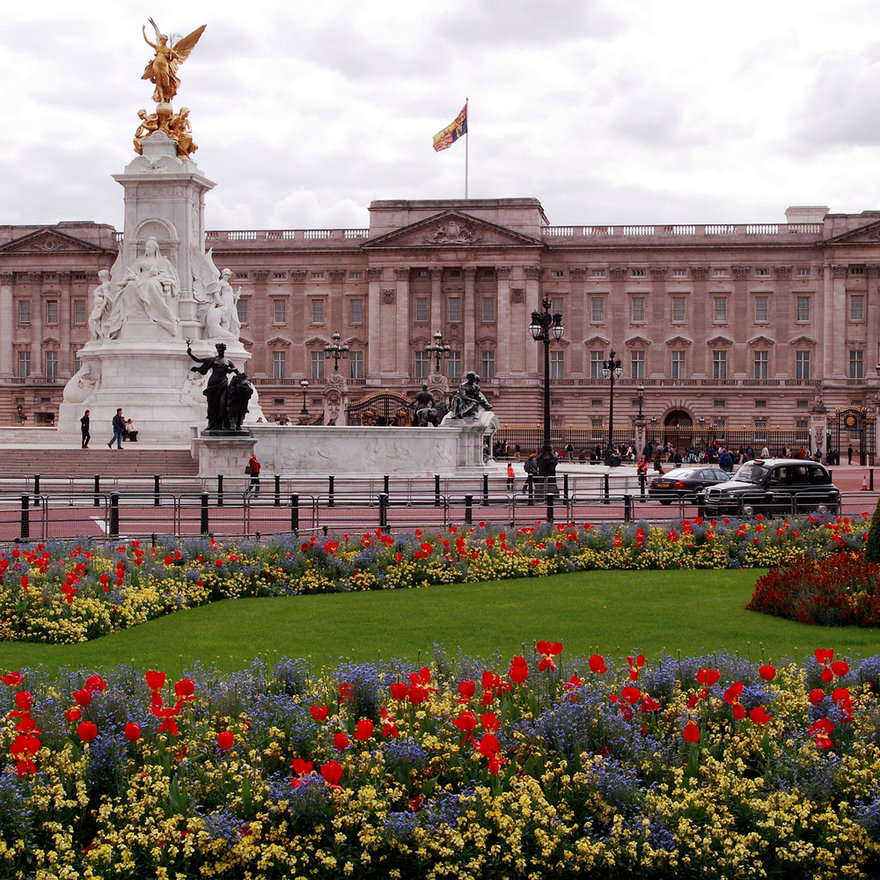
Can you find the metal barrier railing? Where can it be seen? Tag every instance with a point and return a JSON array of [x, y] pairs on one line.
[[112, 515]]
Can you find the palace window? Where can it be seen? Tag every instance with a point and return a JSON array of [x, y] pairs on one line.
[[355, 365], [279, 364], [596, 358], [23, 367], [453, 365], [421, 309], [24, 312], [719, 364], [637, 308], [802, 309], [241, 308], [51, 364], [762, 309], [317, 311], [51, 311], [719, 309], [856, 364], [423, 364], [317, 364], [487, 363], [802, 365], [678, 364], [355, 310], [557, 364], [279, 311], [679, 309], [762, 364], [79, 311], [637, 365], [453, 309], [488, 309], [857, 307]]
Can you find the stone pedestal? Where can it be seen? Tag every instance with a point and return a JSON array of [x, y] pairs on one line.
[[223, 454]]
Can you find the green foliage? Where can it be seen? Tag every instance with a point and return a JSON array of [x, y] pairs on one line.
[[872, 545]]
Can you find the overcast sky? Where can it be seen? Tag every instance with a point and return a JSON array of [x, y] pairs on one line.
[[608, 111]]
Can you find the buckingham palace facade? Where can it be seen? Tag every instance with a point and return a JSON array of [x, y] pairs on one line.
[[747, 327]]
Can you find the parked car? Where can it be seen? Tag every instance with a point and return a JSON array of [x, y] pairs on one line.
[[684, 483], [773, 486]]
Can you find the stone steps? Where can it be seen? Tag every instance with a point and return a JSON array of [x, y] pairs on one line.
[[130, 461]]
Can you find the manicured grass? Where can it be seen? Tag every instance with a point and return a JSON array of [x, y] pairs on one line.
[[610, 612]]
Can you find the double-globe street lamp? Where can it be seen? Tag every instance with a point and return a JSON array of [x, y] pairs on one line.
[[304, 412], [611, 369], [546, 327], [439, 350], [336, 351]]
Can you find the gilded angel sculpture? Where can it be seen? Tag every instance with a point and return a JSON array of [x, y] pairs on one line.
[[162, 69]]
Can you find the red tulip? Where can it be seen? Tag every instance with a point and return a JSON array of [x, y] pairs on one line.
[[74, 713], [332, 773], [548, 650], [364, 730], [733, 693], [759, 715], [816, 696], [132, 731], [466, 689], [519, 670], [708, 677], [155, 680], [225, 739], [87, 731], [12, 679], [691, 732], [185, 689], [83, 697], [466, 722], [767, 672], [319, 713], [597, 664], [341, 742], [399, 691]]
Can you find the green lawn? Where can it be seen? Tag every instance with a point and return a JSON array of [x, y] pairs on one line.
[[610, 612]]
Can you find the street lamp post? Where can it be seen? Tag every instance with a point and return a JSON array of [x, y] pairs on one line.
[[545, 327], [304, 412], [611, 369], [438, 350], [336, 351]]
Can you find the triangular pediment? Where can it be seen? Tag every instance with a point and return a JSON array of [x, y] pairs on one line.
[[278, 340], [597, 340], [761, 340], [678, 340], [452, 229], [49, 241], [719, 340], [801, 340], [869, 234], [637, 342]]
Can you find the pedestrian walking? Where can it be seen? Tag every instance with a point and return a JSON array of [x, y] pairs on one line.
[[511, 480], [84, 422], [118, 429], [253, 469]]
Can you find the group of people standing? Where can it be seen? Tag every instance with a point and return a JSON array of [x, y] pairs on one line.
[[123, 429]]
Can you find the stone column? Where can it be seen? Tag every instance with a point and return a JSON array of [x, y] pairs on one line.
[[374, 305], [576, 321], [436, 298], [836, 360], [533, 304], [6, 320], [503, 323], [261, 318], [65, 319], [37, 306], [402, 367], [470, 321]]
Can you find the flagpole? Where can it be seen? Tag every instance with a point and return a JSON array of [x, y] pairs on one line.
[[467, 143]]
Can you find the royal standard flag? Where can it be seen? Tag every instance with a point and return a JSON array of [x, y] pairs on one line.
[[444, 139]]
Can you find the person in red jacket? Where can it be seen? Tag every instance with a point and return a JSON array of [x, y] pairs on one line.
[[254, 466]]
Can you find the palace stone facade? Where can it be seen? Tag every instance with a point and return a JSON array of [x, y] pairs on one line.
[[740, 326]]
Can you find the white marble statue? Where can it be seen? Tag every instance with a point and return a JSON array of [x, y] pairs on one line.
[[216, 299], [104, 320], [150, 286], [81, 385]]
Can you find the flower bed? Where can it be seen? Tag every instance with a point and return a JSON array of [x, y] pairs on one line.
[[60, 594], [532, 767], [838, 591]]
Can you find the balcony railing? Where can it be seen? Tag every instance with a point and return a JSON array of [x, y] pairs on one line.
[[687, 231]]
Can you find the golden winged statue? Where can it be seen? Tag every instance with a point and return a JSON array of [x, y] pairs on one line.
[[162, 69]]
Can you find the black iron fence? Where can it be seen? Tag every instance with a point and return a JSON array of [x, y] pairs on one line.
[[121, 516]]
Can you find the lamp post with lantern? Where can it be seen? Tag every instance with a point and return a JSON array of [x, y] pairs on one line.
[[611, 369], [545, 327]]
